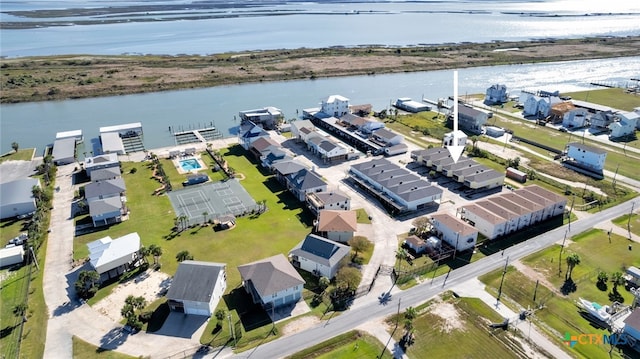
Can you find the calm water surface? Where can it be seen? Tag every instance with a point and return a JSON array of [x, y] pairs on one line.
[[35, 124], [274, 25]]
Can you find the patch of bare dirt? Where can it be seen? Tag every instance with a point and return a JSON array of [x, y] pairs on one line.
[[151, 285], [300, 324], [449, 313], [535, 275]]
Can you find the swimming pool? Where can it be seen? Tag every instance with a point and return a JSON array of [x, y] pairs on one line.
[[190, 164]]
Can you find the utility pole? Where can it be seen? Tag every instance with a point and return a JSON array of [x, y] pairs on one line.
[[613, 183], [232, 329], [629, 219], [561, 249], [504, 272], [455, 250], [571, 209]]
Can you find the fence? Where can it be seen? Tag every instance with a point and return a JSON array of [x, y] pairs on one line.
[[402, 276]]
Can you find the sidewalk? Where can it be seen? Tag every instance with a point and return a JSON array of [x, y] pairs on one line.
[[475, 288]]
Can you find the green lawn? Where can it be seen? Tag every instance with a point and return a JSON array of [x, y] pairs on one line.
[[22, 155], [613, 97], [350, 345], [560, 313], [634, 224], [276, 231], [558, 140], [22, 287], [466, 336], [362, 216], [82, 349]]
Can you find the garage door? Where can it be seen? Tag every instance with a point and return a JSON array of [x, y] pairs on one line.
[[197, 311]]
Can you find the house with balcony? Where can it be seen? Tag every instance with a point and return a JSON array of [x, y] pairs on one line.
[[272, 282], [576, 118], [335, 105], [471, 119], [304, 182], [112, 257], [626, 126], [248, 133], [267, 117], [496, 94], [298, 126], [319, 256], [331, 199]]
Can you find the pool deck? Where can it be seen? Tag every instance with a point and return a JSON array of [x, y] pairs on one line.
[[181, 170]]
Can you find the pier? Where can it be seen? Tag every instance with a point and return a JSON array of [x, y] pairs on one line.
[[197, 136]]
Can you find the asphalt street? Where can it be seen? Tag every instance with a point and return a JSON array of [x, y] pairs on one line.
[[423, 292]]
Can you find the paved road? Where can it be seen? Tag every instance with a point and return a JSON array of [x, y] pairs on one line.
[[421, 293], [69, 317]]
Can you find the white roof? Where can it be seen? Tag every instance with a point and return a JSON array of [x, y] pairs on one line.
[[111, 143], [118, 128], [334, 98], [106, 254], [8, 252], [67, 134]]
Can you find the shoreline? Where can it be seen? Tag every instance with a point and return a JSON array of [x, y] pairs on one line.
[[50, 78]]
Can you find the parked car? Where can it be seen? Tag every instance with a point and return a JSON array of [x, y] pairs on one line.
[[562, 129]]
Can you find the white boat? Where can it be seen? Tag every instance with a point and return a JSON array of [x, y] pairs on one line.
[[600, 312]]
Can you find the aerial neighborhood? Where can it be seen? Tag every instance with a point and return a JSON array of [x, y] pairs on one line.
[[235, 243]]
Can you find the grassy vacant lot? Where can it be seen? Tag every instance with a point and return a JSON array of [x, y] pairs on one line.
[[350, 345], [82, 349], [458, 328], [612, 97], [560, 313], [22, 155], [634, 223]]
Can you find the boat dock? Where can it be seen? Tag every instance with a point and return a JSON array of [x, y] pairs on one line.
[[197, 136]]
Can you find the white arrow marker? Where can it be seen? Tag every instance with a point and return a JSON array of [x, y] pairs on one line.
[[455, 150]]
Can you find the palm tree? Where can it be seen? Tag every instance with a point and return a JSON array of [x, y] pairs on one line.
[[15, 146], [410, 313], [183, 221], [572, 261], [183, 256], [144, 252], [156, 252], [204, 215], [401, 254], [617, 279]]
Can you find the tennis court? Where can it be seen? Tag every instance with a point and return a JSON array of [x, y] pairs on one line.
[[216, 199]]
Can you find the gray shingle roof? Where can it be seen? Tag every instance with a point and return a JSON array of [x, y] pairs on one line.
[[195, 281], [102, 206], [105, 173], [102, 188], [305, 179], [287, 167], [271, 275]]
